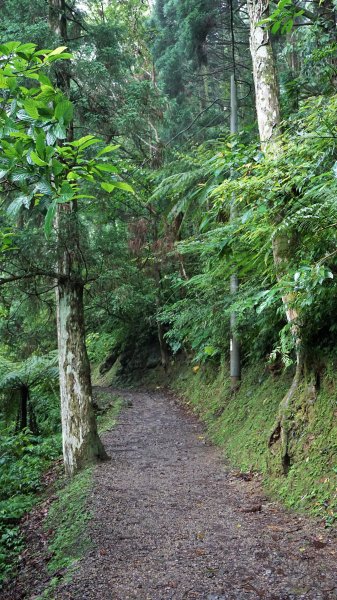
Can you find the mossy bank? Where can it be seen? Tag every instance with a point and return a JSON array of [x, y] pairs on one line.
[[241, 424]]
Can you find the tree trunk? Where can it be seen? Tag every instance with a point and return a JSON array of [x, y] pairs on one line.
[[22, 418], [234, 349], [268, 116], [164, 352], [266, 88], [81, 443]]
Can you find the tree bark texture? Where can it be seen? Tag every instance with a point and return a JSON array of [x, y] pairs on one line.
[[265, 81], [81, 443]]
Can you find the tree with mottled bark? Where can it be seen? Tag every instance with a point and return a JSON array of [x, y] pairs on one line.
[[269, 123], [81, 443]]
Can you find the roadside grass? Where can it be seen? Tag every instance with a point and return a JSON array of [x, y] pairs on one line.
[[69, 515]]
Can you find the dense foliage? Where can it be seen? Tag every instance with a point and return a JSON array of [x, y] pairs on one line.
[[150, 86]]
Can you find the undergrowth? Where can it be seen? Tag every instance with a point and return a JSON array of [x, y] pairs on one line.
[[23, 459]]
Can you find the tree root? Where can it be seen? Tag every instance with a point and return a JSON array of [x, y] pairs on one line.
[[284, 425], [283, 428]]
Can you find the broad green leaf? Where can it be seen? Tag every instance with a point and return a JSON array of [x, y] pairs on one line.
[[276, 26], [49, 219], [9, 47], [73, 176], [44, 187], [19, 175], [121, 185], [31, 108], [37, 160], [107, 168], [51, 137], [3, 81], [19, 201], [85, 142], [64, 55], [107, 149], [64, 109], [41, 144], [60, 131], [57, 167], [28, 48], [57, 51], [108, 187]]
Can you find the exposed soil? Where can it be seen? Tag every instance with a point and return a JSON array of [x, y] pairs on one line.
[[171, 521]]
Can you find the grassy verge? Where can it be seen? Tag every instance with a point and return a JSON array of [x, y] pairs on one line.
[[241, 424], [68, 516]]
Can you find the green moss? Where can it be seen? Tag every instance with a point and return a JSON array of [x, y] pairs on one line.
[[108, 419], [68, 518], [242, 422]]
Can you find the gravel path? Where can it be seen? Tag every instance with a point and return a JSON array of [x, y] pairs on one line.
[[172, 522]]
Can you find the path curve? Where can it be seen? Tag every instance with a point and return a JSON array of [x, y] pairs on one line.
[[171, 522]]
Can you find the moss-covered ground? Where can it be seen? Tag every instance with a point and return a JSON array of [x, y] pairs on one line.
[[241, 424]]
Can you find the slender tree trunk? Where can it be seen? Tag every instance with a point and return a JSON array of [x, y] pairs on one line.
[[235, 367], [81, 443], [164, 352], [33, 426], [22, 419], [268, 116]]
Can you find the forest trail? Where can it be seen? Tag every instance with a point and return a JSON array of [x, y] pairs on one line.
[[170, 521]]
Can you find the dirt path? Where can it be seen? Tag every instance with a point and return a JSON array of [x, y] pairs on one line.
[[171, 523]]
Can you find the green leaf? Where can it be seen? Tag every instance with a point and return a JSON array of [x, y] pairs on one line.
[[49, 219], [19, 175], [44, 187], [57, 51], [107, 149], [276, 26], [31, 108], [85, 142], [41, 144], [64, 109], [121, 185], [9, 47], [107, 168], [60, 131], [108, 187], [57, 167], [37, 160], [19, 201], [3, 81], [64, 55], [51, 137]]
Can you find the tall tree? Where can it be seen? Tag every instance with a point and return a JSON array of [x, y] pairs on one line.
[[269, 123], [81, 443]]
